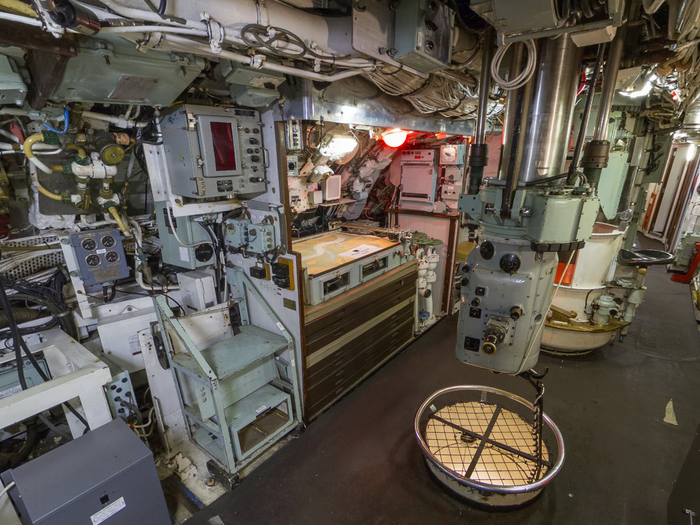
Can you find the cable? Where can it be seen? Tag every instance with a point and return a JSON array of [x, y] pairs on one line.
[[66, 124], [6, 489], [524, 75]]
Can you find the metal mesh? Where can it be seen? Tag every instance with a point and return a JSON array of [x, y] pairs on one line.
[[456, 449]]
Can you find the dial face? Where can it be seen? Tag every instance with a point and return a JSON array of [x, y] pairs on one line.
[[108, 241], [93, 260], [112, 257], [88, 244]]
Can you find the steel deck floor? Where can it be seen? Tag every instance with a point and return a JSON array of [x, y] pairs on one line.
[[359, 462]]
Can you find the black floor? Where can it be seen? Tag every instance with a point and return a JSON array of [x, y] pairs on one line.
[[359, 462]]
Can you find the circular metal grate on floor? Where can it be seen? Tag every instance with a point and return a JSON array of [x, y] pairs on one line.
[[481, 443]]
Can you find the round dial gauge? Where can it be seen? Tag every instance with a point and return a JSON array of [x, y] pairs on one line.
[[88, 244], [112, 257], [108, 241], [93, 260]]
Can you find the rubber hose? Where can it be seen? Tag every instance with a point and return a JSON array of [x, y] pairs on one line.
[[22, 315]]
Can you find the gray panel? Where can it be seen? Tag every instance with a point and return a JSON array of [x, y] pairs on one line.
[[76, 481]]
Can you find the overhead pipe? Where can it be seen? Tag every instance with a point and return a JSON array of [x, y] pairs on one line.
[[597, 151], [479, 150], [586, 114]]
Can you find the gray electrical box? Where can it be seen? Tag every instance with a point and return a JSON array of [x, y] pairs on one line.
[[190, 232], [106, 476], [251, 87], [214, 152], [423, 34]]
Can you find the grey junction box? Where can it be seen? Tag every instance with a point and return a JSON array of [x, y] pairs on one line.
[[105, 477]]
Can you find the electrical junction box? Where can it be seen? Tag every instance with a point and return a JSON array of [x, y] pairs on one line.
[[190, 232], [251, 87], [214, 152], [100, 256], [292, 135], [453, 154], [331, 188], [293, 165], [423, 34], [315, 198], [107, 476], [237, 232], [261, 238], [13, 90], [197, 291], [120, 74]]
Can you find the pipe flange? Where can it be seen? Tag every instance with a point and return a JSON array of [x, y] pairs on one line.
[[596, 154]]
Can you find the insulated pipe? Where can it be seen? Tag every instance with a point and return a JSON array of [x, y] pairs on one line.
[[332, 35], [27, 147], [550, 113]]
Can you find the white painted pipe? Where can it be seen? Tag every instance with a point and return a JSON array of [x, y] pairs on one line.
[[21, 19], [185, 44], [120, 122]]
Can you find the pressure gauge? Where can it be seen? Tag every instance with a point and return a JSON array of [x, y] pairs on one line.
[[93, 260], [111, 257], [108, 241], [89, 245]]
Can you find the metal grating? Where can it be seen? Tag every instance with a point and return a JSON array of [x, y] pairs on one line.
[[450, 437], [21, 265]]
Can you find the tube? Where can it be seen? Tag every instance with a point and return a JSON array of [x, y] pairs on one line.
[[117, 121], [609, 80], [586, 114], [551, 109], [478, 150], [21, 19], [27, 147], [81, 151], [115, 213], [244, 59]]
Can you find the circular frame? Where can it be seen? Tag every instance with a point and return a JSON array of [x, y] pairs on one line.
[[497, 489]]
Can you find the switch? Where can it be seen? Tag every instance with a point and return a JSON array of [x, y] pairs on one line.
[[256, 179], [255, 158], [253, 140]]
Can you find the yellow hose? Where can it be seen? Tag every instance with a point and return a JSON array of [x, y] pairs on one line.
[[79, 149], [29, 142], [18, 7], [48, 193], [115, 214]]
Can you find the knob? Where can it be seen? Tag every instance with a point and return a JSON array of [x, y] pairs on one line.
[[255, 158], [253, 140], [488, 348], [510, 263]]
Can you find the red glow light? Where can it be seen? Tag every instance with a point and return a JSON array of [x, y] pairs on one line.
[[395, 138]]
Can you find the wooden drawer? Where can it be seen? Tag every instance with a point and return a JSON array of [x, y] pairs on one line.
[[365, 341], [353, 319], [331, 387], [386, 291]]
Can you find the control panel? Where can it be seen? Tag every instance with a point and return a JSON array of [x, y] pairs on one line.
[[253, 238], [100, 256], [214, 152]]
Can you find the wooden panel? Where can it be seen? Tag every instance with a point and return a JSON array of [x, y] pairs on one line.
[[357, 317], [344, 355], [320, 398]]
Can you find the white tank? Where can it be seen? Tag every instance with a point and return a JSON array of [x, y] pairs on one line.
[[593, 268]]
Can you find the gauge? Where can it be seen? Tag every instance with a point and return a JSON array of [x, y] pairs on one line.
[[112, 257], [108, 241], [89, 245], [93, 260]]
